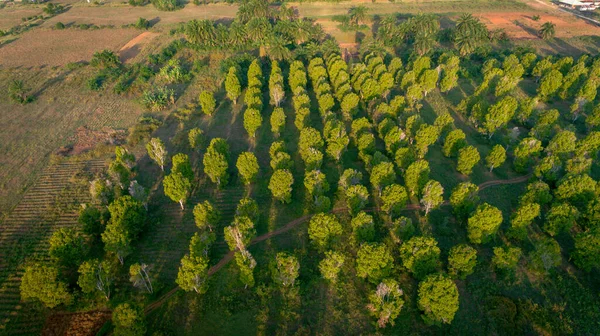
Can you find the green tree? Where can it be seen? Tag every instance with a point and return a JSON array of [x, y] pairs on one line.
[[349, 105], [546, 255], [416, 176], [499, 114], [464, 199], [550, 83], [129, 214], [96, 275], [576, 188], [140, 277], [323, 229], [117, 241], [247, 166], [420, 255], [363, 227], [252, 121], [462, 260], [206, 215], [425, 137], [587, 249], [277, 121], [547, 30], [331, 266], [193, 273], [40, 282], [562, 143], [92, 221], [357, 197], [428, 80], [67, 247], [394, 198], [128, 320], [181, 164], [285, 270], [382, 175], [522, 218], [506, 258], [560, 218], [483, 223], [438, 299], [385, 303], [177, 187], [525, 152], [196, 138], [157, 152], [373, 261], [496, 157], [281, 185], [432, 195], [468, 157], [215, 161], [232, 85], [315, 183], [207, 102], [454, 141]]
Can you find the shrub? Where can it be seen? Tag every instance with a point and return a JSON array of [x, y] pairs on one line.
[[158, 99], [59, 26], [142, 24], [166, 5]]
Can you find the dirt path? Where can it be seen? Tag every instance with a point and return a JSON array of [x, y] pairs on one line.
[[227, 258]]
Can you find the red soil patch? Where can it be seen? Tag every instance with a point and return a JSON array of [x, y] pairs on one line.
[[75, 324], [133, 47], [521, 25]]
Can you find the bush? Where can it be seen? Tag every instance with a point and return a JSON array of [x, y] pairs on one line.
[[138, 2], [166, 5], [158, 99], [95, 83], [59, 26], [142, 24]]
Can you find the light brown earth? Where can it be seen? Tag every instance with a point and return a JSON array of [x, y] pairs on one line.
[[10, 17]]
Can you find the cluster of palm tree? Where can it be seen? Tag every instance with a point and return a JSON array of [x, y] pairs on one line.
[[469, 34], [273, 31], [420, 31]]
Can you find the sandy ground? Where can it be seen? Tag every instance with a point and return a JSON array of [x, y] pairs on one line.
[[133, 47], [59, 47]]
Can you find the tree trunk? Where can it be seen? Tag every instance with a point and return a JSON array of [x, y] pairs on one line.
[[181, 204]]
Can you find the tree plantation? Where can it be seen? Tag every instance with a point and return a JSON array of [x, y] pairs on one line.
[[429, 181]]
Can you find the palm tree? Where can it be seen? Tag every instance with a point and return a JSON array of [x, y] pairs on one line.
[[200, 32], [237, 34], [547, 31], [257, 29], [357, 14], [18, 92], [469, 34], [276, 48]]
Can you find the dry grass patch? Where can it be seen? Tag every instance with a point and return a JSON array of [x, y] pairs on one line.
[[120, 15], [59, 47], [11, 16]]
